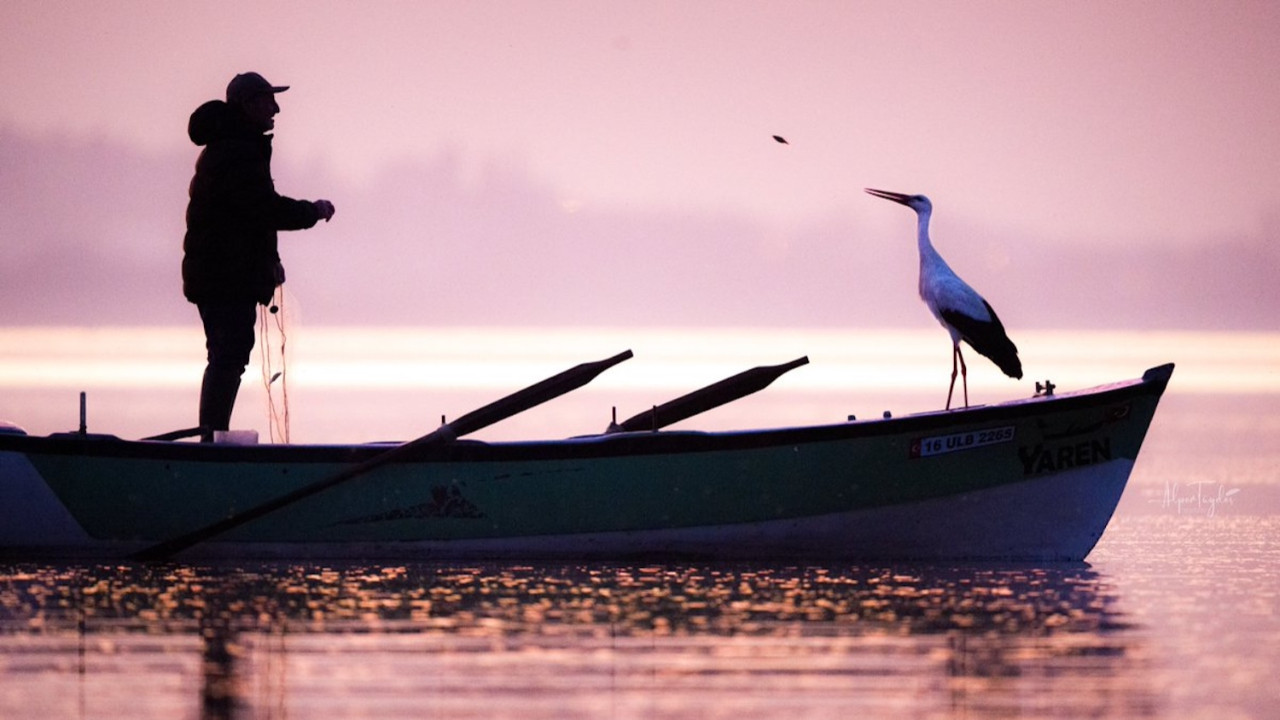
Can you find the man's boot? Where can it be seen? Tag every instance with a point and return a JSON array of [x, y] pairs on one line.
[[217, 399]]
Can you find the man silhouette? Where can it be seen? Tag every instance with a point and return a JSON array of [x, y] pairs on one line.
[[230, 260]]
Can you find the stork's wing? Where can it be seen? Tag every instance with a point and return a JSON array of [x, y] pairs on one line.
[[988, 338]]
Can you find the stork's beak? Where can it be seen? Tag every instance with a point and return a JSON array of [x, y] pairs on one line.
[[900, 198]]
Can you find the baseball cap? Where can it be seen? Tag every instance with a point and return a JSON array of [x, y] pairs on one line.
[[246, 85]]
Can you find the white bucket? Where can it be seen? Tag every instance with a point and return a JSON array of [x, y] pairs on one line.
[[235, 437]]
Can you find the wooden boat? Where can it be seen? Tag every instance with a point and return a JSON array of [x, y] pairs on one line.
[[1032, 479]]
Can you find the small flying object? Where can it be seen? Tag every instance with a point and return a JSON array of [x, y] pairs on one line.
[[960, 309], [781, 139]]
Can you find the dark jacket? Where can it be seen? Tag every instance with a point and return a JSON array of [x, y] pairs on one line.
[[234, 212]]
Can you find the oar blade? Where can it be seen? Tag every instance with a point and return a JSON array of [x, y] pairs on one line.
[[534, 395], [708, 398]]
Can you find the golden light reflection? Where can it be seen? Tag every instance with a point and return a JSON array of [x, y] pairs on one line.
[[666, 359]]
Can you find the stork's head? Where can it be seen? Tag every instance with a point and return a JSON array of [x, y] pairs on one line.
[[919, 203]]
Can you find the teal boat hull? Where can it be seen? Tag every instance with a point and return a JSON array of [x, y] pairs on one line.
[[1032, 479]]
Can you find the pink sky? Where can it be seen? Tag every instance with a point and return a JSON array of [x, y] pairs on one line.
[[1104, 164], [1074, 121]]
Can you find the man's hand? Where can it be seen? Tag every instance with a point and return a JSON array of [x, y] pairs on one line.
[[325, 208]]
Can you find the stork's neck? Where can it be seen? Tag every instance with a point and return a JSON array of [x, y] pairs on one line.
[[922, 233], [933, 268]]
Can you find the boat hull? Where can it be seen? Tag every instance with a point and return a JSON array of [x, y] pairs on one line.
[[1034, 479]]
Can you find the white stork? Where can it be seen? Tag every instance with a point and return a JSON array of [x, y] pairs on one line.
[[959, 308]]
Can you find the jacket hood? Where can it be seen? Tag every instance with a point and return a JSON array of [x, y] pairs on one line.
[[216, 120], [209, 122]]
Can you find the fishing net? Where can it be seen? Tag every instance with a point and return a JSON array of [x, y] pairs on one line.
[[272, 345]]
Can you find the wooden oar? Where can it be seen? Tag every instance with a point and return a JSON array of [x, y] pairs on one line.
[[517, 402], [177, 434], [704, 399]]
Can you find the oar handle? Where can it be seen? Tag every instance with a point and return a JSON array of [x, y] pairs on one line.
[[517, 402], [707, 398], [177, 434]]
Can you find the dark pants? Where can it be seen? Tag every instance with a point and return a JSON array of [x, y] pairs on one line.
[[228, 334]]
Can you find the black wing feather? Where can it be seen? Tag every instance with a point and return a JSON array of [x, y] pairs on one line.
[[988, 338]]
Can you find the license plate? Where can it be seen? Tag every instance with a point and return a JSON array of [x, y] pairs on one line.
[[955, 442]]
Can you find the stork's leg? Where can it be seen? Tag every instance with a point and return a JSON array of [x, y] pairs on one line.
[[964, 376], [955, 350]]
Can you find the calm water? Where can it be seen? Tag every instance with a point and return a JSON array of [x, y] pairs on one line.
[[1172, 617]]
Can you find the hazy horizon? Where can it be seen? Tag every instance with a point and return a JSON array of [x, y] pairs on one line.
[[422, 245]]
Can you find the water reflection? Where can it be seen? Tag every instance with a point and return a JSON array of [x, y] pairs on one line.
[[533, 641]]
